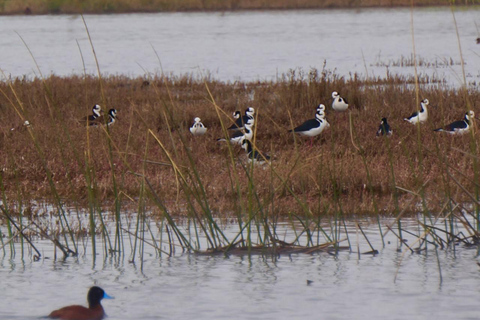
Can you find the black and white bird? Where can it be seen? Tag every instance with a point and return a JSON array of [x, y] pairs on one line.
[[240, 121], [96, 113], [384, 129], [312, 127], [112, 116], [421, 115], [237, 137], [198, 129], [102, 120], [253, 155], [339, 103], [459, 127], [321, 110]]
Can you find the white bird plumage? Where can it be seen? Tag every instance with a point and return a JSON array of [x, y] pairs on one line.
[[339, 104], [459, 127], [198, 129], [421, 115]]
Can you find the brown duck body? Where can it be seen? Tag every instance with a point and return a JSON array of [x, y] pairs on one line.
[[78, 313]]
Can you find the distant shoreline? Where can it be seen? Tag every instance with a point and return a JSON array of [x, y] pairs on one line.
[[42, 7]]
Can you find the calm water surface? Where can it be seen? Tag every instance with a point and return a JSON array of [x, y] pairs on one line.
[[345, 286], [244, 45]]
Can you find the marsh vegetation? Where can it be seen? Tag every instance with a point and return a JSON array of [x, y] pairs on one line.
[[125, 6]]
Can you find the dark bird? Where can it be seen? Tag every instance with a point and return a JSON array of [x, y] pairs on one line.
[[76, 312], [384, 128], [253, 155]]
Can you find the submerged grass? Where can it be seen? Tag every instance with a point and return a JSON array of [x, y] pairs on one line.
[[149, 162]]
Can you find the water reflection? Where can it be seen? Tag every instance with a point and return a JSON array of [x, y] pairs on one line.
[[188, 286]]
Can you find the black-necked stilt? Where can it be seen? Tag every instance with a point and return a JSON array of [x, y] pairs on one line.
[[312, 127], [112, 116], [321, 110], [101, 120], [253, 155], [419, 116], [384, 128], [96, 112], [198, 129], [339, 104], [459, 127], [240, 121], [238, 136]]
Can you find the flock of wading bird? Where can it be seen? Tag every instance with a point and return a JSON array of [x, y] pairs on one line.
[[242, 129]]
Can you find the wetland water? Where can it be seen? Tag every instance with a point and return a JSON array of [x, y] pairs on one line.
[[187, 286], [246, 46], [259, 45]]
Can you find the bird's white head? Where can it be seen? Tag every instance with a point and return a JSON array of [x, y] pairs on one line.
[[197, 119], [334, 94]]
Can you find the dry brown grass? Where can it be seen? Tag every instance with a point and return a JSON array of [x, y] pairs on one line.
[[120, 6], [330, 177]]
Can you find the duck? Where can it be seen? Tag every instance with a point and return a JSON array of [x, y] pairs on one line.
[[419, 116], [384, 129], [96, 113], [459, 127], [237, 137], [240, 121], [76, 312], [339, 103], [254, 156], [198, 129], [312, 127]]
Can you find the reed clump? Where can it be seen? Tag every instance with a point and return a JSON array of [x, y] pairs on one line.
[[348, 170], [125, 6]]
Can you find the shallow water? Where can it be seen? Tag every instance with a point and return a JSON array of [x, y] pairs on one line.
[[187, 286], [244, 45]]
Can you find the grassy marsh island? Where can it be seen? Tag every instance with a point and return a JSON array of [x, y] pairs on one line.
[[126, 6], [347, 170]]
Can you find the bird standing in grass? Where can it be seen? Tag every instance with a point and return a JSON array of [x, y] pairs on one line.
[[237, 137], [459, 127], [421, 115], [253, 155], [384, 129], [240, 122], [313, 127], [112, 116], [198, 129], [101, 120], [96, 113], [339, 103]]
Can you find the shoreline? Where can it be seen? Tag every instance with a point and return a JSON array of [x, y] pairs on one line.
[[52, 7], [347, 169]]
